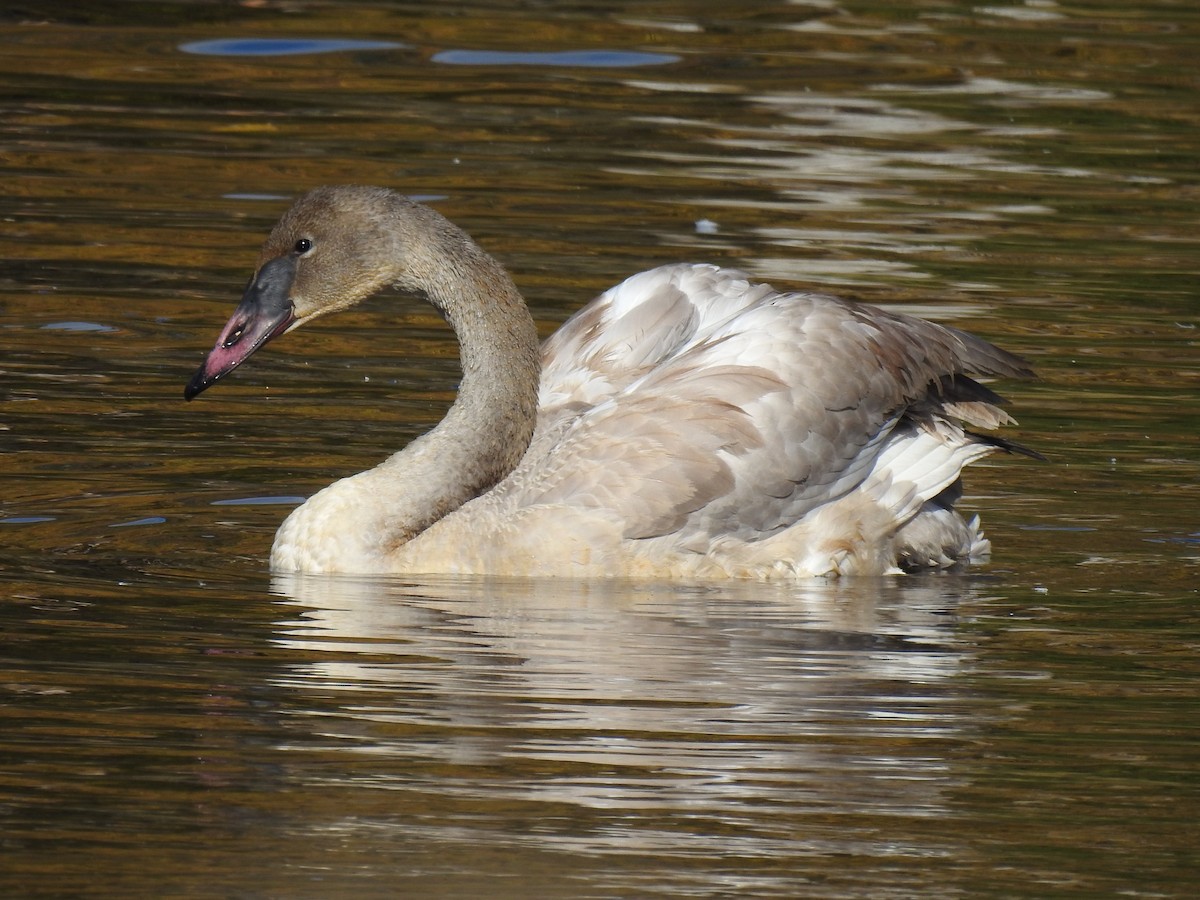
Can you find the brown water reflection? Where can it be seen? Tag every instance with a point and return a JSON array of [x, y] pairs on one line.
[[171, 722], [720, 720]]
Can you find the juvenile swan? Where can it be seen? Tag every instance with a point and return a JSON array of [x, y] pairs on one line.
[[686, 423]]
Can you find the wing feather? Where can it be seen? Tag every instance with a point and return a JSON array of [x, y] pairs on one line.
[[691, 401]]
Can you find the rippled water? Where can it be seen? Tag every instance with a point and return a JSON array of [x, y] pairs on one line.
[[174, 722]]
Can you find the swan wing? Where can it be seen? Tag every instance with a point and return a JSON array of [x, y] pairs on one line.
[[635, 327], [690, 401]]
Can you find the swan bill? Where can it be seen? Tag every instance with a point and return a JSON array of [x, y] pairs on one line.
[[266, 311]]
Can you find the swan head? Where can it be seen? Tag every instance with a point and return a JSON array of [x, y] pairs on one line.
[[335, 247]]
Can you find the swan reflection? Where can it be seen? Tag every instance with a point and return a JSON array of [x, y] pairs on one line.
[[614, 695]]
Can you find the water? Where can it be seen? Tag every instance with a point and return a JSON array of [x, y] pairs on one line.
[[173, 722]]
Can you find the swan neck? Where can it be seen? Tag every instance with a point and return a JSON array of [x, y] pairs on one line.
[[481, 439], [489, 427]]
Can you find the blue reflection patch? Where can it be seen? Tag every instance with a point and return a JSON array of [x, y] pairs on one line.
[[149, 520], [76, 326], [260, 501], [282, 46], [607, 59]]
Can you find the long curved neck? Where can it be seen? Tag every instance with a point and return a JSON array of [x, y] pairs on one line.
[[489, 427]]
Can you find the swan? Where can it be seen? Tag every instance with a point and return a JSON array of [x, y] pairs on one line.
[[687, 423]]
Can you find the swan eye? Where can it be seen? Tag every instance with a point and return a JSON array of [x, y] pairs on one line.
[[302, 246]]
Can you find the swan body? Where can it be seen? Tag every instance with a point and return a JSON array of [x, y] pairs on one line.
[[687, 423]]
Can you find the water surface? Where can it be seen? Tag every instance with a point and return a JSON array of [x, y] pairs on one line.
[[173, 721]]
